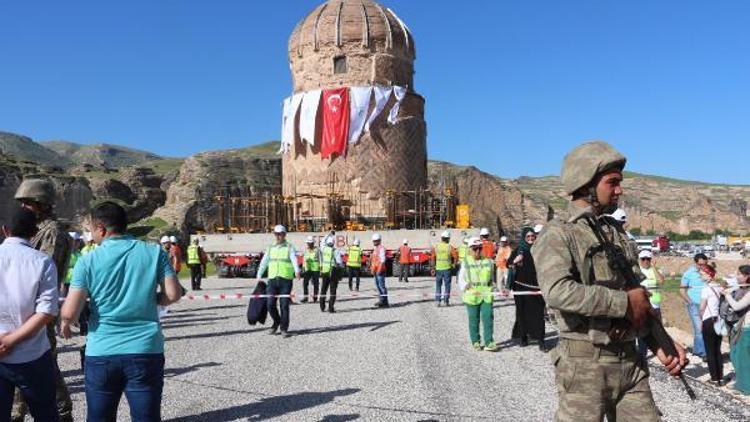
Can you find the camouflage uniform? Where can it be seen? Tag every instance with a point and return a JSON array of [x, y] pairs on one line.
[[54, 241], [596, 377]]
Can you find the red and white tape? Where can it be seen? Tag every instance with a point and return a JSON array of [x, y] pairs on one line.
[[426, 295]]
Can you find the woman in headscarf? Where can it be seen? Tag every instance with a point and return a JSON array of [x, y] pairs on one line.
[[529, 302]]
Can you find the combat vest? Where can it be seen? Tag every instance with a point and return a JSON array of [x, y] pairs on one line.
[[552, 253], [478, 275], [193, 255], [355, 257], [326, 259], [311, 260], [279, 264], [442, 256]]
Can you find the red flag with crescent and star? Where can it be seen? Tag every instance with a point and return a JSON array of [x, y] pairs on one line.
[[335, 122]]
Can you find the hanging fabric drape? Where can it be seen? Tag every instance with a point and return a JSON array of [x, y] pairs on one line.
[[382, 94], [359, 98], [335, 122], [399, 92], [308, 115], [291, 105]]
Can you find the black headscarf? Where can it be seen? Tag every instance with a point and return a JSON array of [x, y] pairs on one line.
[[523, 246]]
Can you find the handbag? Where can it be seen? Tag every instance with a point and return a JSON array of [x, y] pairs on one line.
[[720, 326]]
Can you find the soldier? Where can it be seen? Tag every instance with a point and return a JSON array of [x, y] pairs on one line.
[[38, 196], [597, 368]]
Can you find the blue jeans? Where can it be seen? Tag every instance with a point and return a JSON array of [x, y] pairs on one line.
[[382, 290], [36, 380], [693, 310], [443, 278], [140, 376]]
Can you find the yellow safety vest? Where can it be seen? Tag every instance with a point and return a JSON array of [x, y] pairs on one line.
[[479, 276], [280, 266], [193, 256], [311, 260], [463, 252], [88, 249], [355, 257], [326, 260], [652, 285], [443, 256]]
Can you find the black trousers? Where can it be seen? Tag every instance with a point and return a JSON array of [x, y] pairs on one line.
[[279, 287], [404, 272], [713, 350], [329, 281], [314, 278], [353, 273], [196, 276]]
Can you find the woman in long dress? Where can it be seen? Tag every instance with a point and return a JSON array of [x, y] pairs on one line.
[[522, 279]]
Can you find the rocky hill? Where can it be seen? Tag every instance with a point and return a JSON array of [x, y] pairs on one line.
[[178, 195]]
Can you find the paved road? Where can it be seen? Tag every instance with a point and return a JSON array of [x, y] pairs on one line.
[[408, 363]]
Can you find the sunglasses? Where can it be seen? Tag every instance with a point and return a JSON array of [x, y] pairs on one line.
[[645, 259]]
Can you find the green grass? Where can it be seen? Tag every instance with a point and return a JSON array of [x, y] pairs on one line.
[[165, 166], [149, 228]]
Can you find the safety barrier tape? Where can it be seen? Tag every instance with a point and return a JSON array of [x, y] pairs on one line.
[[426, 295]]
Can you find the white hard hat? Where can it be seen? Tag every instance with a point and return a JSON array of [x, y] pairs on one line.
[[376, 236], [406, 241], [279, 229], [475, 241], [446, 235], [538, 228], [329, 241], [74, 235], [645, 254], [309, 239], [504, 239], [88, 236], [356, 242], [164, 239], [173, 239], [484, 232], [620, 215]]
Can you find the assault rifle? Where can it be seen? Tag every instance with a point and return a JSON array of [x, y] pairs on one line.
[[618, 262]]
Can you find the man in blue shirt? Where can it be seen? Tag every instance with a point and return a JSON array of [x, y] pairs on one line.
[[690, 291], [29, 301], [125, 279]]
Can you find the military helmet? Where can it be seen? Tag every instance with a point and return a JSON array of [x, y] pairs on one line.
[[38, 190], [586, 161]]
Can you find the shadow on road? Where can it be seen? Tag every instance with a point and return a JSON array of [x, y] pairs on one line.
[[176, 372], [374, 326], [216, 334], [273, 407]]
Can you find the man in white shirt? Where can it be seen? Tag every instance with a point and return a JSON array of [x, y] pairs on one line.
[[29, 301]]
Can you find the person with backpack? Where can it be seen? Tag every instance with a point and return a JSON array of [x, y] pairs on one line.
[[739, 303], [709, 310]]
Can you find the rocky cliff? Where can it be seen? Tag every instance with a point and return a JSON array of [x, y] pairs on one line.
[[179, 195]]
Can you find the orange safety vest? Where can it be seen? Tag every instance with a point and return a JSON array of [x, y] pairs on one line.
[[376, 266], [488, 249], [502, 257], [404, 253]]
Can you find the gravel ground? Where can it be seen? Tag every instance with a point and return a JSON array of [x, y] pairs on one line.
[[412, 362]]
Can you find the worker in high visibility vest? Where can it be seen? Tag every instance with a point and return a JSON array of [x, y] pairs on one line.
[[354, 263], [443, 258], [488, 246], [404, 261], [311, 266], [462, 252], [280, 259], [378, 269], [501, 261], [195, 264], [476, 282], [331, 266]]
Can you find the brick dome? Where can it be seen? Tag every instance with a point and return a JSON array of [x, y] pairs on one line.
[[351, 42]]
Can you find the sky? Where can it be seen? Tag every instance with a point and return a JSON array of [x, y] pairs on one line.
[[510, 86]]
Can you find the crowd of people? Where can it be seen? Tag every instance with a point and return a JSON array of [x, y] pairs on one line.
[[112, 285]]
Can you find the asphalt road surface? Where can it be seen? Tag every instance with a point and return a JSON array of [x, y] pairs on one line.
[[412, 362]]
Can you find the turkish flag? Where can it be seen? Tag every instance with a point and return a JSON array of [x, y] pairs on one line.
[[335, 122]]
